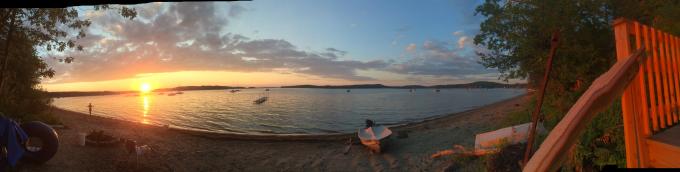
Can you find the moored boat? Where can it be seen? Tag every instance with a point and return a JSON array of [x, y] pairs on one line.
[[261, 100]]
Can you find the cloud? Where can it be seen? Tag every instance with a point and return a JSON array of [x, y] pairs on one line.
[[235, 10], [462, 40], [439, 58], [189, 36], [333, 50], [169, 37], [410, 48], [457, 33]]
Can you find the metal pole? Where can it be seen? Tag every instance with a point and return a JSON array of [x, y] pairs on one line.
[[537, 110]]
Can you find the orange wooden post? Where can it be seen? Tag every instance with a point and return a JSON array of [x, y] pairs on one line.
[[657, 76], [643, 117], [671, 79], [664, 59], [623, 49], [674, 55], [651, 75], [640, 117], [674, 65]]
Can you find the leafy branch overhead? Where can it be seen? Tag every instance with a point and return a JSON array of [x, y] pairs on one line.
[[25, 31], [516, 34], [53, 28]]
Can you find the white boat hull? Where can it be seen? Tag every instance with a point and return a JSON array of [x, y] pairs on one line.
[[373, 137]]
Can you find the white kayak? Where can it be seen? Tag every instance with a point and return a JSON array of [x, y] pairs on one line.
[[371, 136], [489, 142]]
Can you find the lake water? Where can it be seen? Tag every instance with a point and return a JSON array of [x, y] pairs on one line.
[[288, 110]]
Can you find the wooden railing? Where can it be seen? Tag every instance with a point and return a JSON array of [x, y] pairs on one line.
[[649, 104], [649, 90], [606, 88]]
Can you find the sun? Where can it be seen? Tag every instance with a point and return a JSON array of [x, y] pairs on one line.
[[145, 88]]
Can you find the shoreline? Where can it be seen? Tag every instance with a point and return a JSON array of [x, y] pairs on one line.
[[182, 150], [298, 137]]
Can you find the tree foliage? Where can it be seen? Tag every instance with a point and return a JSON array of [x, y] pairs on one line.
[[22, 32], [516, 34], [516, 37]]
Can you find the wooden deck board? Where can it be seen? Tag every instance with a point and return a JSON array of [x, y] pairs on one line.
[[669, 136], [664, 148]]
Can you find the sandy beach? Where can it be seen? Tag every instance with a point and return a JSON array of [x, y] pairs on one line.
[[181, 150]]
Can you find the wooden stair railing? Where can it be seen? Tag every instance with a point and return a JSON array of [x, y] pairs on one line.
[[650, 100], [650, 104], [604, 90]]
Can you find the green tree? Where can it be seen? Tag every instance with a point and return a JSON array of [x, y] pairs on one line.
[[21, 69], [516, 35]]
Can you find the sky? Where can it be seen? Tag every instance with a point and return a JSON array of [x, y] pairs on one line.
[[266, 43]]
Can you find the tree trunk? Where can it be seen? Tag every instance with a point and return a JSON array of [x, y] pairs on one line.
[[6, 55]]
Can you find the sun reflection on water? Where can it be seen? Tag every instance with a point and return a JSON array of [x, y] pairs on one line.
[[145, 112]]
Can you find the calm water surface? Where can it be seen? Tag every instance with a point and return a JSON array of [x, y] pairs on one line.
[[289, 110]]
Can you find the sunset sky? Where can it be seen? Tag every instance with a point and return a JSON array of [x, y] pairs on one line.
[[273, 43]]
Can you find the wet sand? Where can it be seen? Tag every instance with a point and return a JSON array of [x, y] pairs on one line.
[[182, 150]]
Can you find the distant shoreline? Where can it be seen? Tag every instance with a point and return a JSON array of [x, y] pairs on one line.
[[479, 84]]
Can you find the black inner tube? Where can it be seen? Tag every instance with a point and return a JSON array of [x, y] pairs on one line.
[[48, 137]]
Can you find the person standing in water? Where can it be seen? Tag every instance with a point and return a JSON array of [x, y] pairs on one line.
[[90, 108]]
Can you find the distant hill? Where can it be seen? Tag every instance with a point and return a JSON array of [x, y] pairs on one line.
[[204, 87], [102, 93], [86, 93], [338, 86], [478, 84]]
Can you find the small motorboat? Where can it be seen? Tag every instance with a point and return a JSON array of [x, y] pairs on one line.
[[266, 89], [373, 136], [234, 91], [260, 100], [349, 91]]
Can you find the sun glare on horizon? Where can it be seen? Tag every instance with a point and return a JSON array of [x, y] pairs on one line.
[[145, 88]]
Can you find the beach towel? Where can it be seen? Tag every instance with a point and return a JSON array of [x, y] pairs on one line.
[[12, 137]]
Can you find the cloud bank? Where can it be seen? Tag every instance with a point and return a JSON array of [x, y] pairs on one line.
[[168, 37]]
